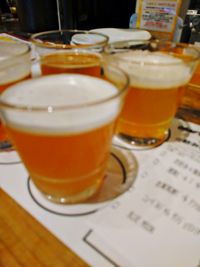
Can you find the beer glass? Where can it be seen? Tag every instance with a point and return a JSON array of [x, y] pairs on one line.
[[190, 103], [69, 51], [62, 126], [196, 76], [15, 66], [159, 72], [189, 109], [195, 81]]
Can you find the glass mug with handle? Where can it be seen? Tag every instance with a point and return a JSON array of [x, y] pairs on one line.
[[69, 51], [159, 73], [62, 126], [15, 66]]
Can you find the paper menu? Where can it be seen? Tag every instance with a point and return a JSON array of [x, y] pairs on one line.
[[147, 236], [156, 223]]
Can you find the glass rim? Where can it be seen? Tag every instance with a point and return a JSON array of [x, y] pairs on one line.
[[51, 108], [193, 85], [34, 39], [13, 56], [109, 47]]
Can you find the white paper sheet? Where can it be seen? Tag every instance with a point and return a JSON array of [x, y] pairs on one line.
[[158, 223]]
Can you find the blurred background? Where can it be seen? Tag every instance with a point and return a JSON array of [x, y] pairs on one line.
[[39, 15], [24, 17]]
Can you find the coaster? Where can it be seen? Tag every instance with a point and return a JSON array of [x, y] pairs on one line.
[[9, 157], [125, 143], [120, 176]]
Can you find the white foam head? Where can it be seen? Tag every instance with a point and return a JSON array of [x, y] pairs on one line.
[[59, 94], [2, 57], [15, 70], [154, 70], [15, 63]]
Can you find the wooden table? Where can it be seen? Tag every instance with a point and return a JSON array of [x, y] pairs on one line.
[[24, 242]]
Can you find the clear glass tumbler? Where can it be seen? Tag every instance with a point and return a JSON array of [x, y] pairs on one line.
[[15, 66], [62, 126], [159, 72], [69, 51]]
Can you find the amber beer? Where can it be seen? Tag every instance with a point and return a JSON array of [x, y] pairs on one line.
[[70, 51], [190, 102], [195, 81], [196, 76], [154, 94], [65, 141], [69, 62], [148, 112], [191, 98]]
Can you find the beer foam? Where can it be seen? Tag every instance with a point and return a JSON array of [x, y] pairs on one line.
[[57, 93], [15, 62], [15, 70], [15, 74], [154, 70], [2, 57]]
